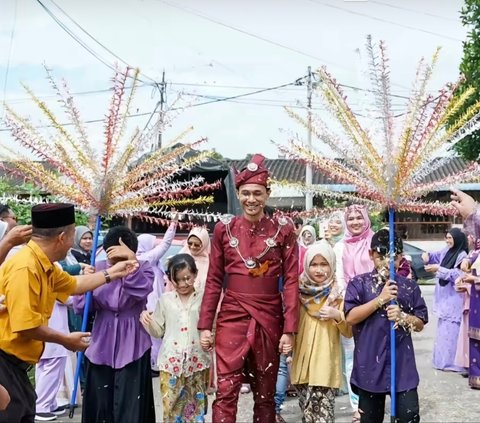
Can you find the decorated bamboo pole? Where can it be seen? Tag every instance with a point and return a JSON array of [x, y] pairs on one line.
[[393, 350], [86, 310]]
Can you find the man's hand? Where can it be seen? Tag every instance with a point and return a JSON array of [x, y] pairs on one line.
[[432, 268], [3, 307], [327, 313], [389, 292], [120, 252], [285, 345], [206, 340], [425, 257], [146, 317], [123, 268], [77, 341], [18, 235], [87, 269], [464, 203]]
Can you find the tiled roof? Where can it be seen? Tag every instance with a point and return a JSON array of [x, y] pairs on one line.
[[294, 171]]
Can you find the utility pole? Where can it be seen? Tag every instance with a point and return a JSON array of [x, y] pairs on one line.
[[161, 112], [308, 168]]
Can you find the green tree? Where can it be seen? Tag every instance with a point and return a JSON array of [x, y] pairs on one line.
[[22, 209], [469, 148]]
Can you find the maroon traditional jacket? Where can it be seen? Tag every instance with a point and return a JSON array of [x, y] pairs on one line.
[[280, 260]]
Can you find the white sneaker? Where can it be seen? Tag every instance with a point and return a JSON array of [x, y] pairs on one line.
[[245, 389], [60, 411], [45, 417]]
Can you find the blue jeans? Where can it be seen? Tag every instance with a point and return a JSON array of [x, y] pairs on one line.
[[282, 383]]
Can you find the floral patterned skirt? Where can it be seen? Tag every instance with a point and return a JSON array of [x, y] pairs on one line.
[[184, 398], [317, 403]]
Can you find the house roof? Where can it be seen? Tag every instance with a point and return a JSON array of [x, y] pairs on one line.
[[294, 171]]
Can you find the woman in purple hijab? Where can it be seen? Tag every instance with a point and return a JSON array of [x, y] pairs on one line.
[[448, 302], [470, 211]]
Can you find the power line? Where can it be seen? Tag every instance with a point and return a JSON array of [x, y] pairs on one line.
[[81, 42], [366, 15], [69, 32], [135, 115], [99, 43], [244, 32], [75, 94], [394, 6]]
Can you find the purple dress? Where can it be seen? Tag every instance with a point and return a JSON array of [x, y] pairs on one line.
[[118, 337], [371, 360], [472, 225], [118, 385], [448, 307]]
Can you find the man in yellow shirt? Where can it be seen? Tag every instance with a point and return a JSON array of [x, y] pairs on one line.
[[31, 283]]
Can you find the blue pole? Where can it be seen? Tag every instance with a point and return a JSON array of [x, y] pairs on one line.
[[88, 301], [393, 362]]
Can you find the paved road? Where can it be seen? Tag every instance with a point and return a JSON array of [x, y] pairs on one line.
[[444, 397]]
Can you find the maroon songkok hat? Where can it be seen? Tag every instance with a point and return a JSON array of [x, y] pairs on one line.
[[254, 173], [53, 215]]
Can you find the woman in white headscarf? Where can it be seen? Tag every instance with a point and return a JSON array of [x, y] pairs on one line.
[[335, 227], [198, 246], [307, 237]]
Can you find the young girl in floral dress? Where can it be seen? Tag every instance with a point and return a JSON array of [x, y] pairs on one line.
[[184, 366]]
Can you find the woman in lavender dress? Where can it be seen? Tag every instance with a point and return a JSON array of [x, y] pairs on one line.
[[448, 302], [470, 211]]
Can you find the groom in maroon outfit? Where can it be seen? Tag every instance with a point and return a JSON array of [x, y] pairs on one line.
[[249, 255]]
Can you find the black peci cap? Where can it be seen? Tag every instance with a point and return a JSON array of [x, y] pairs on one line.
[[53, 215]]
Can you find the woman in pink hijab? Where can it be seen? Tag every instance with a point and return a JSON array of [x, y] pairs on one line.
[[352, 259], [198, 246], [352, 251]]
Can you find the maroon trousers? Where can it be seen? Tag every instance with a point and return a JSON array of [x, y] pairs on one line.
[[262, 383], [248, 331]]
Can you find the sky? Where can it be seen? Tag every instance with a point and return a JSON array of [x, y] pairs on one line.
[[215, 49]]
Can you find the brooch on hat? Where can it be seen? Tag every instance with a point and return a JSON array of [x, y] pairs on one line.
[[252, 167]]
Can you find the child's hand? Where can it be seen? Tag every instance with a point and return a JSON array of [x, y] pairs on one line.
[[146, 317], [206, 340], [327, 313], [389, 292], [286, 344], [120, 252], [393, 312], [425, 257]]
